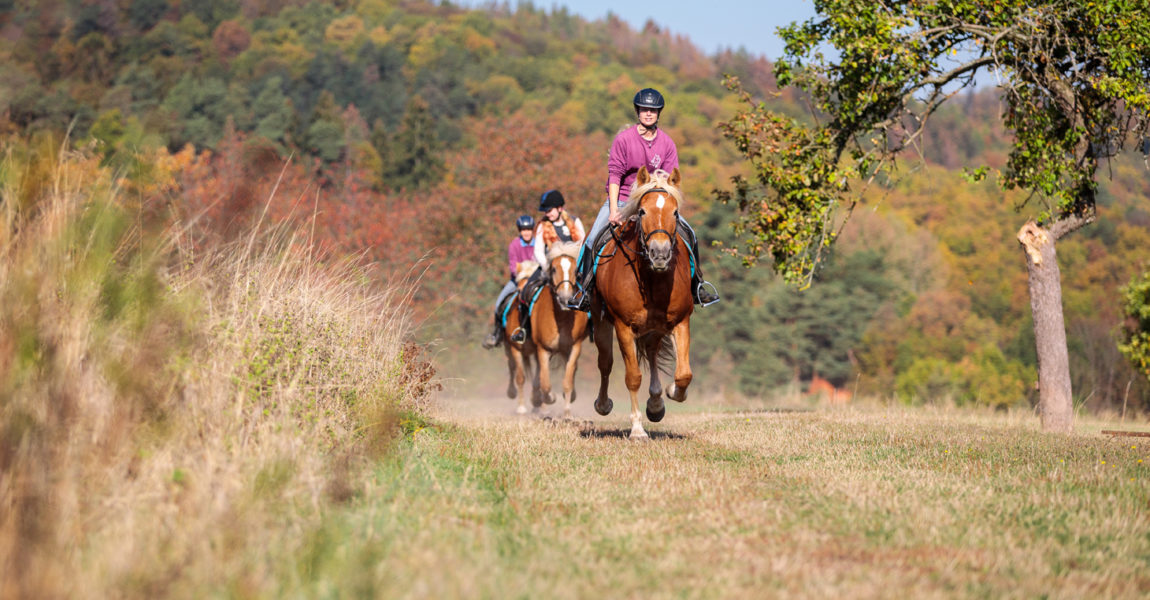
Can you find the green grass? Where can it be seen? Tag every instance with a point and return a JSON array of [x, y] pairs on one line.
[[882, 503]]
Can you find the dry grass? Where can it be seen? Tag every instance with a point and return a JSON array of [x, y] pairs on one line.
[[168, 414], [853, 503], [178, 422]]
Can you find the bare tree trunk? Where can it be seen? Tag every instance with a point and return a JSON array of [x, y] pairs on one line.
[[1055, 402]]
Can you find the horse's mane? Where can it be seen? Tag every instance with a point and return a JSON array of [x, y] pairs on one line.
[[659, 179], [558, 249], [524, 270]]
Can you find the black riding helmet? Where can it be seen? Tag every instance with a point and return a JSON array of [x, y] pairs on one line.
[[525, 222], [550, 199], [648, 98]]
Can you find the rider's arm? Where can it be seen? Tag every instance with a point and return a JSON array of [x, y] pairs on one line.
[[613, 202], [511, 257], [537, 246], [616, 172], [578, 228]]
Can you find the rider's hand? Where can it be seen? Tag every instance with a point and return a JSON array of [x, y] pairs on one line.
[[614, 218]]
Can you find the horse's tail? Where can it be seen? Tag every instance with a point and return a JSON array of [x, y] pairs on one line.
[[665, 356]]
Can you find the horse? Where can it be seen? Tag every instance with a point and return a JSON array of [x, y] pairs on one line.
[[556, 329], [644, 293], [519, 355]]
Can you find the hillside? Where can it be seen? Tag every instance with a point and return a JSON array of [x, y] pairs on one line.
[[417, 129]]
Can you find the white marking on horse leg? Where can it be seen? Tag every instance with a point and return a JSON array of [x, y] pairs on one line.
[[637, 432]]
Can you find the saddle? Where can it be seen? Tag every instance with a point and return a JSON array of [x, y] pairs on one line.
[[504, 308], [530, 293]]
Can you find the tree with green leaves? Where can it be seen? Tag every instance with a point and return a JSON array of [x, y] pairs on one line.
[[1075, 82], [1136, 337]]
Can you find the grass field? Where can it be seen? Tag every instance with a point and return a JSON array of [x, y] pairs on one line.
[[860, 503], [248, 421]]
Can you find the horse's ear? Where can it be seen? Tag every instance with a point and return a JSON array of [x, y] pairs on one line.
[[643, 177], [675, 177]]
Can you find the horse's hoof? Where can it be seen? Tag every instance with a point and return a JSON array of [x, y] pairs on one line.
[[522, 410], [674, 393], [512, 392], [549, 399], [536, 399], [605, 407], [655, 417], [639, 436]]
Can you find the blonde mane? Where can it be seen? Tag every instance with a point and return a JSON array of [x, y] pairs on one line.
[[524, 270], [659, 179], [558, 249]]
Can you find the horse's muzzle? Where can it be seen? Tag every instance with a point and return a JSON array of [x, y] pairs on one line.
[[564, 295], [659, 255]]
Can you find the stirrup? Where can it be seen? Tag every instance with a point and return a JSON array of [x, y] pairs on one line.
[[519, 335], [580, 300], [699, 293]]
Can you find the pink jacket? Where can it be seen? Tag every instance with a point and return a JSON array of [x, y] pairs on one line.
[[630, 151]]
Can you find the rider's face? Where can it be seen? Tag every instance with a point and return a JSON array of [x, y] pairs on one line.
[[552, 213], [648, 116], [526, 234]]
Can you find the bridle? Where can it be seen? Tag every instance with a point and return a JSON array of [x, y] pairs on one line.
[[645, 237], [566, 280]]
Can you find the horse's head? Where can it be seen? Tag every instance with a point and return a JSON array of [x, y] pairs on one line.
[[654, 206], [561, 259]]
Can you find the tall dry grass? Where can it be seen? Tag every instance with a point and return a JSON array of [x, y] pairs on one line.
[[168, 412]]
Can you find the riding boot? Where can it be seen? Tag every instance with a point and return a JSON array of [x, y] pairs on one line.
[[702, 291], [520, 334], [581, 301], [494, 338]]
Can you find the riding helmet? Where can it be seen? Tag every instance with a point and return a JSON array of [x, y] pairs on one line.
[[550, 199], [649, 98], [525, 222]]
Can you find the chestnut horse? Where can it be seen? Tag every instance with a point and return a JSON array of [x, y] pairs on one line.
[[556, 329], [644, 293], [519, 355]]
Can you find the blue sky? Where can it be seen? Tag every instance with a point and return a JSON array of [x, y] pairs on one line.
[[710, 24]]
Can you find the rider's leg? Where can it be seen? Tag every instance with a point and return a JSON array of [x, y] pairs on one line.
[[582, 299], [520, 334], [492, 340], [702, 291]]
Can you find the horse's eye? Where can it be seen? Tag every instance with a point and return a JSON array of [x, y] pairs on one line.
[[676, 214], [642, 212]]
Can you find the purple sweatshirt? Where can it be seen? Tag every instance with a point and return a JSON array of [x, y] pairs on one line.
[[519, 251], [630, 151]]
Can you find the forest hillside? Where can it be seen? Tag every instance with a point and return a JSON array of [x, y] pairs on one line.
[[412, 133]]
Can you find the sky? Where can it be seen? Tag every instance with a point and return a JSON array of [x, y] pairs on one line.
[[711, 24]]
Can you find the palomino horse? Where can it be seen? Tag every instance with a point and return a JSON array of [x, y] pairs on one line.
[[519, 356], [555, 329], [644, 283]]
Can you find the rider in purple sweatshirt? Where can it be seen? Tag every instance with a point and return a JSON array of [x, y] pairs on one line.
[[519, 250], [643, 144]]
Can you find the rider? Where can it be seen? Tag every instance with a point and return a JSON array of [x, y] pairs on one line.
[[557, 225], [520, 249], [644, 144]]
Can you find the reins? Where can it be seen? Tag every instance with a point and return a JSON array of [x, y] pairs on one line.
[[644, 238]]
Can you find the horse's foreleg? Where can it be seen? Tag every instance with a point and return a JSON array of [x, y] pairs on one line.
[[519, 374], [514, 370], [544, 357], [603, 334], [655, 407], [569, 378], [677, 391], [634, 377]]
